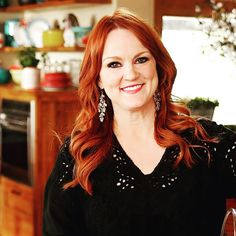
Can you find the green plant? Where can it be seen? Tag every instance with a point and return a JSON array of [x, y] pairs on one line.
[[199, 102], [27, 57]]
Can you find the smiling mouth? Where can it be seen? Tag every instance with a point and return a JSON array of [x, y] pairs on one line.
[[132, 89]]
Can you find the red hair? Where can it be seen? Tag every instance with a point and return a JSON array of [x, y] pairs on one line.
[[91, 140]]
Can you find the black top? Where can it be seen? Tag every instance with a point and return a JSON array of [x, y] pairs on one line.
[[170, 201]]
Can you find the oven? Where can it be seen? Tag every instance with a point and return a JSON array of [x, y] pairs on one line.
[[17, 140]]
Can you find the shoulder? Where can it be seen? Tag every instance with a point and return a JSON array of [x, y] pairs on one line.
[[214, 129], [61, 174], [64, 165], [62, 206], [226, 138], [226, 145]]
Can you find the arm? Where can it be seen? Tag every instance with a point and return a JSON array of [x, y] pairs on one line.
[[224, 154], [228, 153]]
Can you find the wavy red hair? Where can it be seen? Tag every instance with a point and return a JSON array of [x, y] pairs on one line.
[[91, 140]]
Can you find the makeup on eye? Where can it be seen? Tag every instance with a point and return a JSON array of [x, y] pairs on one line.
[[116, 61], [114, 64], [139, 60]]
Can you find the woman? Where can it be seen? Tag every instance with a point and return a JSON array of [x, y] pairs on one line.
[[136, 163]]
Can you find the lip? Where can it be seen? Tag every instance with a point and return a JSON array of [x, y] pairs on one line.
[[132, 89]]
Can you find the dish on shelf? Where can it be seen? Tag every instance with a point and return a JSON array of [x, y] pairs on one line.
[[51, 89], [55, 84], [35, 31], [53, 38], [56, 81], [16, 74], [21, 35], [56, 76], [81, 35]]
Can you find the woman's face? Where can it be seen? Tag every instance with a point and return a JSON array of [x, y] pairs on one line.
[[128, 73]]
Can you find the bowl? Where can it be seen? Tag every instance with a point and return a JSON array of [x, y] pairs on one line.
[[16, 75], [81, 35]]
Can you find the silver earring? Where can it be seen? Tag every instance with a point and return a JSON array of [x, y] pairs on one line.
[[102, 107], [157, 100]]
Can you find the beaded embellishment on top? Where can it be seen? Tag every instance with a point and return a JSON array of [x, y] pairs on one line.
[[67, 164], [124, 181], [230, 159]]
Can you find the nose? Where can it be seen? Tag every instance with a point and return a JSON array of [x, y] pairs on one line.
[[130, 72]]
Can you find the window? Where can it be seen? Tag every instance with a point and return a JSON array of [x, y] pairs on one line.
[[200, 74]]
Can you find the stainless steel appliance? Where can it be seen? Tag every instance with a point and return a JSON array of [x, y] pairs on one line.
[[17, 140]]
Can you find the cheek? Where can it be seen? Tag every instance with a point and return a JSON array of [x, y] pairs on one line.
[[150, 73], [110, 78]]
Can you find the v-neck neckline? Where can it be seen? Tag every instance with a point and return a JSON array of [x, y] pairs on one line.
[[133, 165]]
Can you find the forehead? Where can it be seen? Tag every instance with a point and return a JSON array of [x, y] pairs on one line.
[[120, 41]]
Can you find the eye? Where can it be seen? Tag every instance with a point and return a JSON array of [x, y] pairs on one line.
[[114, 64], [141, 60]]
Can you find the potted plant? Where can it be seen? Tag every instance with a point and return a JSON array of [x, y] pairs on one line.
[[30, 72], [201, 106]]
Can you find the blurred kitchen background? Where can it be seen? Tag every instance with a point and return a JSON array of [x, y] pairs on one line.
[[60, 32], [41, 48]]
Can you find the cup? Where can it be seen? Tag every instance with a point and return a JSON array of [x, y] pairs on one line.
[[81, 35], [53, 38], [74, 70], [4, 76]]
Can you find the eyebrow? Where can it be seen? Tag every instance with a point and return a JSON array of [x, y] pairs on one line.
[[117, 58]]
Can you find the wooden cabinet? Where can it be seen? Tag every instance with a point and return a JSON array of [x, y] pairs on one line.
[[54, 113], [1, 205], [17, 208]]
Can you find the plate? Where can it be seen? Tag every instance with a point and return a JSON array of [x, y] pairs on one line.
[[21, 35], [49, 89], [35, 31], [55, 84]]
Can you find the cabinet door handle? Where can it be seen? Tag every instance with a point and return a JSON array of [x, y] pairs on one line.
[[16, 192]]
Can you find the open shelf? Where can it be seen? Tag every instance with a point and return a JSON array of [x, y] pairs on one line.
[[45, 49], [48, 4]]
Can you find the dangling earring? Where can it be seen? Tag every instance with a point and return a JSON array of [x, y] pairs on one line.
[[157, 100], [102, 106]]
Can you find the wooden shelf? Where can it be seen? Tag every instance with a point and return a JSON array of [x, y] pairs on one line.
[[45, 49], [48, 4]]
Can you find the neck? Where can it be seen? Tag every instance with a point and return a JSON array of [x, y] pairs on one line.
[[134, 123]]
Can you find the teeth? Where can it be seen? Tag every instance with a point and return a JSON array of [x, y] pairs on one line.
[[132, 87]]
